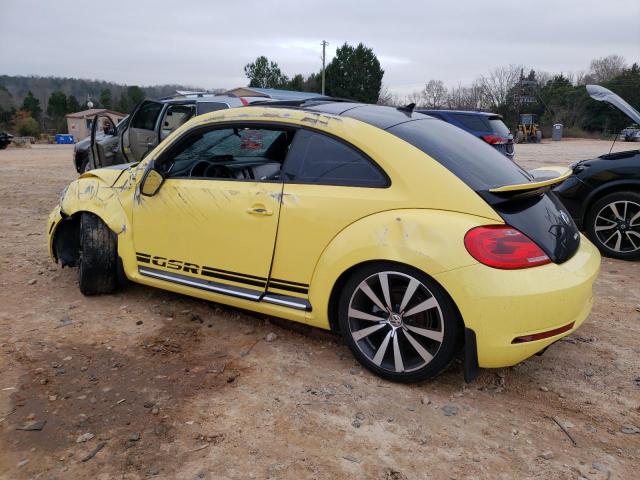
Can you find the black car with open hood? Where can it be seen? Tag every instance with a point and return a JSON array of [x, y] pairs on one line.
[[603, 194]]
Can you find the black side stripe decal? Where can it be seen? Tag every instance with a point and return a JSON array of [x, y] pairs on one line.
[[232, 273], [246, 293], [211, 272], [232, 278], [276, 280], [288, 288]]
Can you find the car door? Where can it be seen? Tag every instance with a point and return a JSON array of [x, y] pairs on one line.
[[212, 224], [104, 144], [328, 184], [142, 132]]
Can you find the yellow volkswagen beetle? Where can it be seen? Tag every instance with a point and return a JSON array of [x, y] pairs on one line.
[[408, 236]]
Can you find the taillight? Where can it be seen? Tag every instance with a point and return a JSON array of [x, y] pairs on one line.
[[494, 139], [502, 246], [244, 101]]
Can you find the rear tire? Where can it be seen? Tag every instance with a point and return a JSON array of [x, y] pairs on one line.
[[414, 337], [97, 273], [613, 225]]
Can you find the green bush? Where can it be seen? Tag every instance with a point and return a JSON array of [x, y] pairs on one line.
[[28, 127]]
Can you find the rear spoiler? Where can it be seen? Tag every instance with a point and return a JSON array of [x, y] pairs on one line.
[[543, 179]]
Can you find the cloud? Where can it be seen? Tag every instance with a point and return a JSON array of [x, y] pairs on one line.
[[207, 44]]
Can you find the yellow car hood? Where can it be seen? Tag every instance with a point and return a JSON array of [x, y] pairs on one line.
[[108, 175]]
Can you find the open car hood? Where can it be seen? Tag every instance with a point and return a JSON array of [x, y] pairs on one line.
[[602, 94]]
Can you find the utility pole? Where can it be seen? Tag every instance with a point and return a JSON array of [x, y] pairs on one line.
[[324, 45]]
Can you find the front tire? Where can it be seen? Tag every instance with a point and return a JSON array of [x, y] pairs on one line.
[[398, 322], [613, 225], [85, 166], [97, 273]]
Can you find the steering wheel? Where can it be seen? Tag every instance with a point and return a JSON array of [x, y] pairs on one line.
[[207, 168], [218, 171]]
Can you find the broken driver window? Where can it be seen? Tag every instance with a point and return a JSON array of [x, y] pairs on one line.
[[237, 153]]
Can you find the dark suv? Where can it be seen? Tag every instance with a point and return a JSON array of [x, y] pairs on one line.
[[486, 126]]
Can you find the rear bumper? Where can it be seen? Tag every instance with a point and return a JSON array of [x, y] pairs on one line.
[[501, 305]]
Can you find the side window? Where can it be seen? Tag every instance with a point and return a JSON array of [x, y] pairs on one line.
[[320, 159], [236, 153], [175, 116], [145, 118], [206, 107]]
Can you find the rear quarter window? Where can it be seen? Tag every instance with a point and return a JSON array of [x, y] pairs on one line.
[[473, 161], [206, 107], [319, 159], [498, 127], [472, 122]]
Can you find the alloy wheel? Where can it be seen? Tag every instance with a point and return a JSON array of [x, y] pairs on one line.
[[617, 226], [396, 321]]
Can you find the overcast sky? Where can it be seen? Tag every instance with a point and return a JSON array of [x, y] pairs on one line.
[[207, 43]]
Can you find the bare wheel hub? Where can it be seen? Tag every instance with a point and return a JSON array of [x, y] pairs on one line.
[[395, 320]]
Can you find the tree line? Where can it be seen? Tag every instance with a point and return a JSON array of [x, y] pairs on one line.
[[355, 73], [33, 105], [554, 97]]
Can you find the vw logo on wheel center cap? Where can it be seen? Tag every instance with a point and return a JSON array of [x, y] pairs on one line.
[[395, 320]]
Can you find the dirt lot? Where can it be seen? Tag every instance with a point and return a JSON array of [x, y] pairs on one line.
[[168, 386]]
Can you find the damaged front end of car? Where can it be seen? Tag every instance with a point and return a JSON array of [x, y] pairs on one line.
[[98, 192]]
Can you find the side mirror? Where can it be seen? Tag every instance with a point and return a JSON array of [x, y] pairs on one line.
[[151, 181]]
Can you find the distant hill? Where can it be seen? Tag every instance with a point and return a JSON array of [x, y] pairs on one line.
[[16, 88]]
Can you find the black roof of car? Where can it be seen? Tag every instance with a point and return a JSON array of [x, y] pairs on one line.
[[377, 115], [429, 111]]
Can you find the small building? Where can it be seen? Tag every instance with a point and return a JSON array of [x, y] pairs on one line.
[[79, 123]]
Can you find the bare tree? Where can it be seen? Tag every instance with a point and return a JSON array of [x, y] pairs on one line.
[[387, 98], [417, 98], [435, 94], [605, 68], [466, 98], [543, 77], [497, 84]]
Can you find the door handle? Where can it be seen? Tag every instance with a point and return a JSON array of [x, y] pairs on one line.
[[259, 211]]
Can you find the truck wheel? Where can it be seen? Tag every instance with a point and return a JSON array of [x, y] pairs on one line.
[[98, 256], [519, 137]]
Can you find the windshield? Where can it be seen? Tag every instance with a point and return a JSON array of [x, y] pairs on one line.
[[475, 162]]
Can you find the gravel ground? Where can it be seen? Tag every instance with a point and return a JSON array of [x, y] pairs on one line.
[[146, 383]]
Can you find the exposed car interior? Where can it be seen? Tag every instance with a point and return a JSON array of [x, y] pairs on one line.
[[232, 153], [174, 116]]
